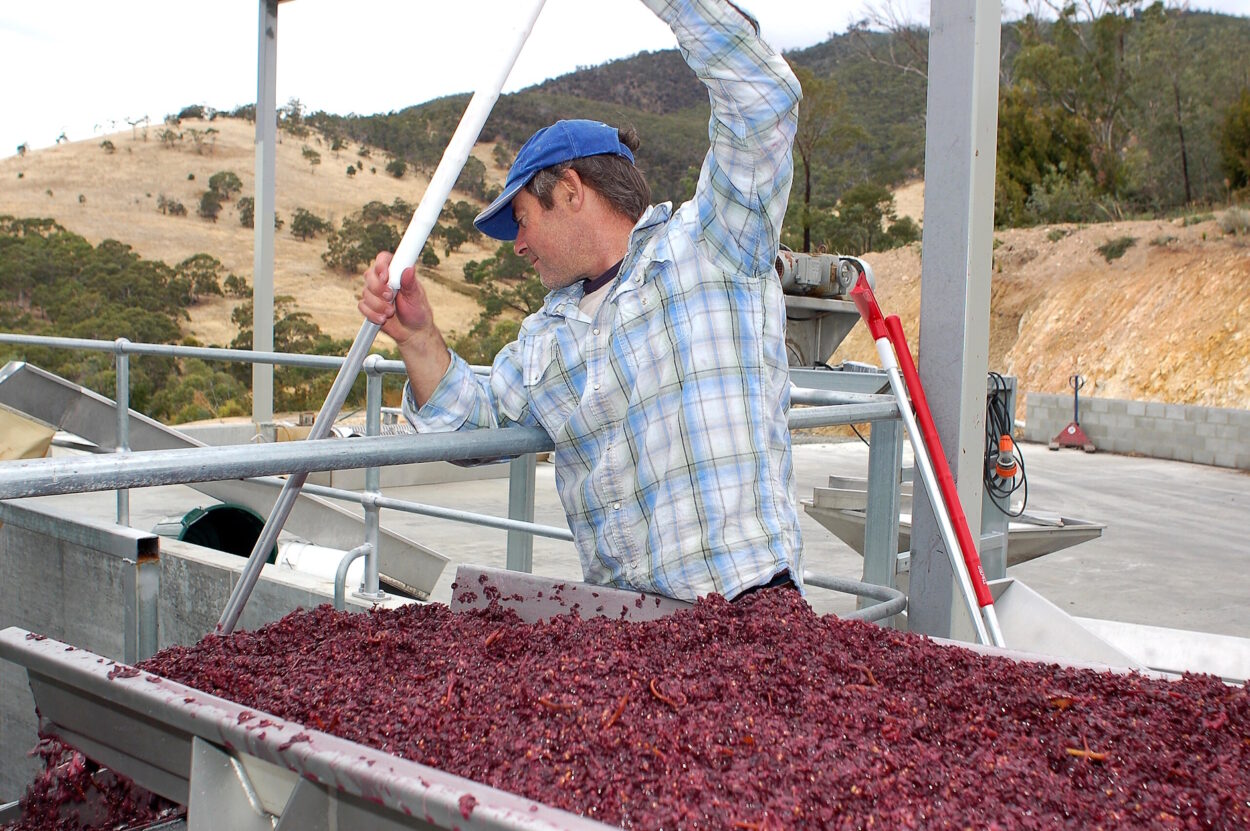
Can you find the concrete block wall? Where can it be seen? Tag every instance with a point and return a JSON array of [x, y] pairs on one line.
[[1185, 433], [70, 579]]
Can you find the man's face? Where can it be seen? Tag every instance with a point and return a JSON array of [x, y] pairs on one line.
[[548, 238]]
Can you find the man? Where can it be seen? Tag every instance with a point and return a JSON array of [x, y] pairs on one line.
[[657, 363]]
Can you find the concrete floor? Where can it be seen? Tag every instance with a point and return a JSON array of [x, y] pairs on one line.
[[1175, 552]]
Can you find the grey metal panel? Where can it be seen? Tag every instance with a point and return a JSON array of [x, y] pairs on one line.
[[1176, 650], [1033, 624], [153, 754], [314, 807], [221, 794], [84, 413], [843, 380], [520, 555], [536, 598], [107, 538], [885, 458]]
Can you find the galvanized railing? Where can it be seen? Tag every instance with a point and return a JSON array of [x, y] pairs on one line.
[[125, 469]]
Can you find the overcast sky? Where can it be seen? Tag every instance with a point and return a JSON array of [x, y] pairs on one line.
[[83, 67]]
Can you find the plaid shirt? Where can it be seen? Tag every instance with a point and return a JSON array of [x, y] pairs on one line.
[[668, 407]]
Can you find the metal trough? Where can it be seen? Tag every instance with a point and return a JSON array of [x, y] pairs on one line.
[[239, 768], [243, 769]]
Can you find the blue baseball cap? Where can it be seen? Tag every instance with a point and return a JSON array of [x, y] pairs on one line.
[[561, 142]]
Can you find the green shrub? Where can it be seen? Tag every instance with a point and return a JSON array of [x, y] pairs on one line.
[[903, 232], [247, 211], [226, 183], [170, 207], [210, 205], [312, 157], [1163, 240], [1114, 249], [306, 224], [1056, 234], [1235, 221], [1059, 198], [397, 168]]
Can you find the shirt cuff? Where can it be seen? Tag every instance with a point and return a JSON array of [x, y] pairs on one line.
[[441, 413]]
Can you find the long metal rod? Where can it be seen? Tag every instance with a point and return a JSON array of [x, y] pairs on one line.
[[437, 511], [50, 476], [123, 423], [290, 491], [373, 482], [816, 397], [925, 466], [406, 253], [170, 350], [842, 414]]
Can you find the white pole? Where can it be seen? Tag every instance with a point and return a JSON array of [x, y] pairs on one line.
[[885, 351], [423, 219], [456, 154]]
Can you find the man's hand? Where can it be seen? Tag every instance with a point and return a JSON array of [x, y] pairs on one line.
[[408, 314], [406, 317]]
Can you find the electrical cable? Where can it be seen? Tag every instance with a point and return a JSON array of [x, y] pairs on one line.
[[825, 364], [1004, 465]]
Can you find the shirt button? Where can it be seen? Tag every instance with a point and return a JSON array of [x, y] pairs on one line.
[[596, 330], [596, 386], [616, 506]]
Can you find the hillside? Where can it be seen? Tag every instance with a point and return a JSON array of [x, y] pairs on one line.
[[1168, 321], [104, 195]]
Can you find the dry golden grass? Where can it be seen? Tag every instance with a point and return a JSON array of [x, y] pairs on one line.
[[101, 196], [1166, 322]]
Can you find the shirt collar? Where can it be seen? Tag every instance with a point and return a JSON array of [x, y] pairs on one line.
[[592, 285]]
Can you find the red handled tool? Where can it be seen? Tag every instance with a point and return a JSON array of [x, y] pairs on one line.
[[887, 334]]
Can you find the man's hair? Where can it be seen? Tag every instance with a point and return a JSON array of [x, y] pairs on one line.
[[613, 177]]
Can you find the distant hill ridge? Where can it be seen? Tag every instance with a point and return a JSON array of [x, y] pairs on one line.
[[657, 93]]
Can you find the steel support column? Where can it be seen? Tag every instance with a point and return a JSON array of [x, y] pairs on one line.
[[960, 143], [263, 215]]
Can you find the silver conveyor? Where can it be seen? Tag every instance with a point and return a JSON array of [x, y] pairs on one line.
[[243, 769]]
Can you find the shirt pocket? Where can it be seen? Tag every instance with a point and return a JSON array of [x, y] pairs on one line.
[[655, 329], [551, 382]]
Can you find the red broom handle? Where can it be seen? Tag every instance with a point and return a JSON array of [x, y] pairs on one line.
[[941, 468]]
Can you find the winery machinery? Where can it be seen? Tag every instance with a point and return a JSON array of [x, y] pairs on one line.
[[237, 768]]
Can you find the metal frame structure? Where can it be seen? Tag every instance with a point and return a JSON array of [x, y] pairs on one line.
[[960, 146], [126, 469]]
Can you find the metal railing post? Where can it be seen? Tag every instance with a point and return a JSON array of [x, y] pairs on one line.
[[521, 506], [121, 362], [370, 588], [885, 458]]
